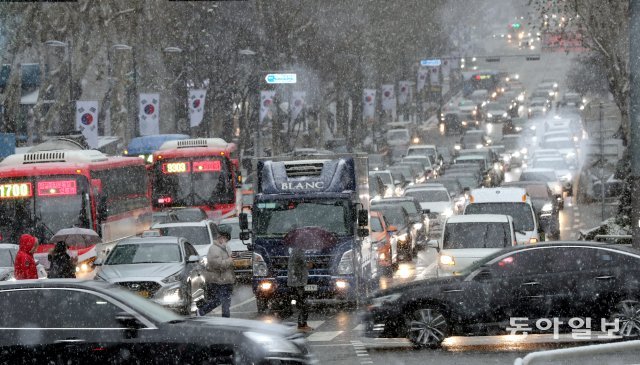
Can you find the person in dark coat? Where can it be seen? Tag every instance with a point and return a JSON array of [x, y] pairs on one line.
[[297, 278], [24, 267], [61, 264]]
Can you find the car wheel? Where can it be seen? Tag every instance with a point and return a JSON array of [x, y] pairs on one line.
[[427, 327], [262, 304], [627, 312]]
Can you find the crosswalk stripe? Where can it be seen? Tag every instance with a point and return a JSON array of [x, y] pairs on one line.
[[359, 327], [315, 324], [323, 336]]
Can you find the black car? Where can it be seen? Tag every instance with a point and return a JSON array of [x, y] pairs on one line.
[[82, 322], [419, 219], [560, 280], [544, 203], [400, 224]]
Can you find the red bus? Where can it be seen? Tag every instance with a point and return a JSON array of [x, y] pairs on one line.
[[43, 192], [201, 172]]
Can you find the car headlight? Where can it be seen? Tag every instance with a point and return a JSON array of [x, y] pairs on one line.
[[547, 207], [387, 299], [173, 278], [86, 265], [403, 237], [530, 110], [273, 344], [518, 129], [447, 260], [544, 109], [457, 147], [447, 213], [504, 115], [417, 226], [259, 266], [479, 146], [171, 296], [516, 154], [524, 150], [489, 115], [345, 267]]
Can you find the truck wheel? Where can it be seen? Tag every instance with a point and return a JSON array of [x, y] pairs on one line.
[[262, 304]]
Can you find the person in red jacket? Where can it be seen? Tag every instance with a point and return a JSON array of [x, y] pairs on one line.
[[25, 266]]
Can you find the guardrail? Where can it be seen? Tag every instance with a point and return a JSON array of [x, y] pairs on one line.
[[563, 354]]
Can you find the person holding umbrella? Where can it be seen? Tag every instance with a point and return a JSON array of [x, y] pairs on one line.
[[61, 264], [297, 278]]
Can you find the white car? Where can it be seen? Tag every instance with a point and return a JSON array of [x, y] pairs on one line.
[[239, 252], [559, 166], [468, 238], [510, 201], [437, 200], [423, 150], [549, 176], [565, 145], [398, 137], [200, 234], [538, 107], [387, 179]]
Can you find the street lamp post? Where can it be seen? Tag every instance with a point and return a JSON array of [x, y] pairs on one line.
[[247, 54], [67, 50], [176, 89]]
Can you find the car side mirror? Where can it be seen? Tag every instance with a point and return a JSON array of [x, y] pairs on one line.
[[363, 218], [244, 236], [426, 211], [363, 232], [392, 228], [243, 220], [97, 262], [193, 258]]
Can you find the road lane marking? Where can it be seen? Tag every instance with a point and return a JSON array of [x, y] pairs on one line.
[[323, 336], [218, 310], [359, 327], [362, 353], [315, 324]]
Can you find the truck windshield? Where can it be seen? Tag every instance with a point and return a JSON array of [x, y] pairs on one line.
[[42, 206], [277, 218]]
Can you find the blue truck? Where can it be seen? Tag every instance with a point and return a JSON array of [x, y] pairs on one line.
[[322, 206]]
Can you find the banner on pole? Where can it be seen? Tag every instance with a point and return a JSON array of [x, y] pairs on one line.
[[149, 114], [388, 97], [297, 105], [404, 92], [423, 73], [196, 106], [87, 121], [369, 103]]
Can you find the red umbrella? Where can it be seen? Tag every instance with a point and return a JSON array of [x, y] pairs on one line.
[[310, 238]]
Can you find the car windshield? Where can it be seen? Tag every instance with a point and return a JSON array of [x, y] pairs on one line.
[[428, 196], [398, 135], [555, 164], [7, 257], [421, 151], [537, 191], [520, 212], [476, 235], [196, 235], [453, 186], [384, 176], [393, 215], [144, 253], [511, 144], [558, 143], [549, 176]]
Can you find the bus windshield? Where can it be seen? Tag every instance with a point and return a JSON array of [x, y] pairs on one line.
[[192, 182], [42, 206], [277, 218]]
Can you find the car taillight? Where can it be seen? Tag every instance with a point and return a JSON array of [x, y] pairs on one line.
[[165, 200]]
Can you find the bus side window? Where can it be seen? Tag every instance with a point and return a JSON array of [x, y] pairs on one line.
[[102, 210]]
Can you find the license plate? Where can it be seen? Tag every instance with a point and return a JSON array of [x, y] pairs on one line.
[[242, 263], [310, 288], [144, 293]]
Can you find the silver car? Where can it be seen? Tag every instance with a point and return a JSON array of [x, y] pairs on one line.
[[164, 269]]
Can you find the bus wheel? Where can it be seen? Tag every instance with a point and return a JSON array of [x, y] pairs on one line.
[[262, 304]]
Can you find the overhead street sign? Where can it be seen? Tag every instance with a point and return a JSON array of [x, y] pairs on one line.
[[431, 62], [281, 78]]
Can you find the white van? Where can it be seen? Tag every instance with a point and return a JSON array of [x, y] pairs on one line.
[[468, 238], [510, 201]]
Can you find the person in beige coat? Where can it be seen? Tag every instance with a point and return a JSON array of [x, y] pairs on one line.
[[219, 275]]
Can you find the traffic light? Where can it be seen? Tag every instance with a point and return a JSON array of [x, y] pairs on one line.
[[515, 25]]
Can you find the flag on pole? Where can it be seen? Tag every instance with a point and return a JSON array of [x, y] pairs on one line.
[[404, 92], [423, 73], [266, 103], [196, 106], [149, 114], [388, 98], [455, 62], [87, 121], [369, 103]]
